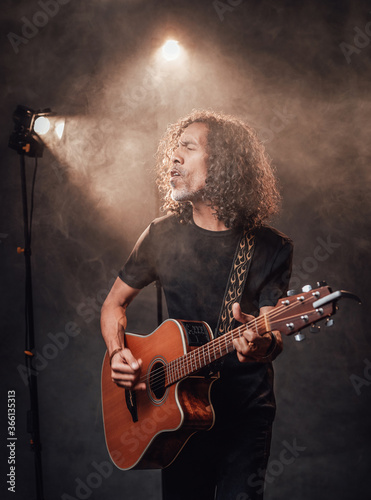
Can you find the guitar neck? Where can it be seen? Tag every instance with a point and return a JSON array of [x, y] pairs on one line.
[[290, 315], [214, 350]]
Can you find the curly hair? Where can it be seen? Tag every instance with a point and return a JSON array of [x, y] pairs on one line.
[[240, 182]]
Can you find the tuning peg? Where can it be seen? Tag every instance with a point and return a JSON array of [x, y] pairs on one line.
[[306, 288], [321, 283], [314, 328], [291, 292], [299, 336], [329, 322]]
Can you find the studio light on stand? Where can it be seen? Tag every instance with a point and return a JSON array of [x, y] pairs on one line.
[[31, 128], [27, 139]]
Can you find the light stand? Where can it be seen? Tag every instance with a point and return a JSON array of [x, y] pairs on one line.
[[33, 415], [26, 141]]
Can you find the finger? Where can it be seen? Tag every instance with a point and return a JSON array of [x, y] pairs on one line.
[[128, 357], [243, 347], [129, 385], [128, 381], [250, 335], [140, 387], [239, 315], [120, 367], [261, 341], [120, 376], [123, 378]]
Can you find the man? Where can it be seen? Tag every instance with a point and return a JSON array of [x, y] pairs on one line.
[[217, 186]]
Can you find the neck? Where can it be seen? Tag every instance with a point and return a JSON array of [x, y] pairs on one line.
[[204, 216]]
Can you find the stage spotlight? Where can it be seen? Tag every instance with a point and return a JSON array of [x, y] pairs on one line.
[[170, 50], [41, 125], [29, 125]]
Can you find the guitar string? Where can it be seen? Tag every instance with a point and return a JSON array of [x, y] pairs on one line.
[[181, 364], [188, 363]]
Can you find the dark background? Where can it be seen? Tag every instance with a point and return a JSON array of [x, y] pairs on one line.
[[299, 73]]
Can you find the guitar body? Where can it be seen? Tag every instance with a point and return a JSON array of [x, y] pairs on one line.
[[162, 419]]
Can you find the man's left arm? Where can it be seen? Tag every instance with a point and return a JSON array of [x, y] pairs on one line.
[[254, 347]]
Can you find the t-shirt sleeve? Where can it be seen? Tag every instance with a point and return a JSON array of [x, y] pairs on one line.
[[139, 270], [277, 282]]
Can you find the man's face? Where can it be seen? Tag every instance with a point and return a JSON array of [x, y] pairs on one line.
[[189, 168]]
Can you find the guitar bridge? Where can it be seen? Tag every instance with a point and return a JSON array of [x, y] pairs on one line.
[[131, 403]]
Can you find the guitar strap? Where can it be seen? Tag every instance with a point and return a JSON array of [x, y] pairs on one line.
[[236, 281]]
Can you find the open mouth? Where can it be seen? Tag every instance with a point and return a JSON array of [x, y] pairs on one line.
[[174, 173]]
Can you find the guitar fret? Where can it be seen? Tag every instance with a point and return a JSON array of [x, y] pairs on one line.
[[208, 352], [172, 372]]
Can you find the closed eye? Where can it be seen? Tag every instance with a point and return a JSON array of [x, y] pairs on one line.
[[188, 145]]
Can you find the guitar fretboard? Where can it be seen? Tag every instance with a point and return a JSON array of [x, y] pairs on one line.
[[288, 316], [205, 355]]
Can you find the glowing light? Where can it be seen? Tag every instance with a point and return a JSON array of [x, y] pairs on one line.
[[171, 50], [59, 128], [41, 125], [35, 129]]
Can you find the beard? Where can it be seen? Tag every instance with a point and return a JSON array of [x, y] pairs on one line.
[[184, 194]]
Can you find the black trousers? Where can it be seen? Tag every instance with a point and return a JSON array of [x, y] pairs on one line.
[[226, 463]]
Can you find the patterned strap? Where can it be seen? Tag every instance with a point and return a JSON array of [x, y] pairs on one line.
[[236, 282]]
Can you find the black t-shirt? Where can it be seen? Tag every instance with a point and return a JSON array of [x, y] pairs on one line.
[[193, 266]]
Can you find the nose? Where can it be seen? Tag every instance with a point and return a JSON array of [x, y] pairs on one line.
[[176, 157]]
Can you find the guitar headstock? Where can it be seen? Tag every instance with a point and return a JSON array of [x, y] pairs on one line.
[[295, 312]]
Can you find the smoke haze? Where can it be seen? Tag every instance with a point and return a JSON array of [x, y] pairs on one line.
[[299, 74]]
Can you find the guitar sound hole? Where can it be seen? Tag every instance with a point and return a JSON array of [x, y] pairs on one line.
[[157, 380]]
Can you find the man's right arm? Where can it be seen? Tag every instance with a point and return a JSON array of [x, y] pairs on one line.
[[125, 369]]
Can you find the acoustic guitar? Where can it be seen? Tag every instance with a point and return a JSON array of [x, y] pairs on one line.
[[147, 429]]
